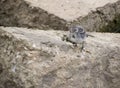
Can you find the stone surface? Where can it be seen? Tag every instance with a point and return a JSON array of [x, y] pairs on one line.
[[21, 14], [69, 9], [40, 59], [101, 19], [60, 14]]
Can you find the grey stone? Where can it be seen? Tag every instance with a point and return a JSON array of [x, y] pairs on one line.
[[59, 15], [30, 63]]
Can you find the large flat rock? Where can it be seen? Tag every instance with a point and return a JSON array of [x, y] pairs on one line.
[[69, 9], [40, 59]]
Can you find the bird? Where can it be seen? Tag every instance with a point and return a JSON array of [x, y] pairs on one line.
[[77, 34]]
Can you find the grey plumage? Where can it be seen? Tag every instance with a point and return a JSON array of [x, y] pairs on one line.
[[77, 34]]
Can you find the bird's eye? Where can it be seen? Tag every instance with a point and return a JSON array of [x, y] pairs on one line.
[[73, 36], [81, 30]]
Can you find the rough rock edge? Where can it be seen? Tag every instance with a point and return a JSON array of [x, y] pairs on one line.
[[43, 68], [19, 13], [8, 49], [100, 19]]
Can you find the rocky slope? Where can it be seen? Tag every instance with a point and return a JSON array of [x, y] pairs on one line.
[[60, 14], [40, 59]]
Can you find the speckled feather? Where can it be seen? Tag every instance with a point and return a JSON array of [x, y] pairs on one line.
[[77, 34]]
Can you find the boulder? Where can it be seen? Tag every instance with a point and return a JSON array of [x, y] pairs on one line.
[[40, 59], [60, 14]]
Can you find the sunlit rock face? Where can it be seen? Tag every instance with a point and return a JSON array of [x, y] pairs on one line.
[[59, 14], [40, 59], [69, 9]]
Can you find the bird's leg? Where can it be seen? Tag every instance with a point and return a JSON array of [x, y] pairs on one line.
[[82, 46]]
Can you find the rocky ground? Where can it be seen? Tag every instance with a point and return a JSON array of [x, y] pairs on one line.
[[40, 59], [33, 54], [60, 14]]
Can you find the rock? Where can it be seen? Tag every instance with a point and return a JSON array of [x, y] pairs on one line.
[[21, 14], [39, 59], [102, 19], [60, 14], [67, 9]]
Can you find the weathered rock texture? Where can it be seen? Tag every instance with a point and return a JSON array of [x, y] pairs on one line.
[[40, 59], [69, 9], [102, 18], [21, 14], [60, 14]]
